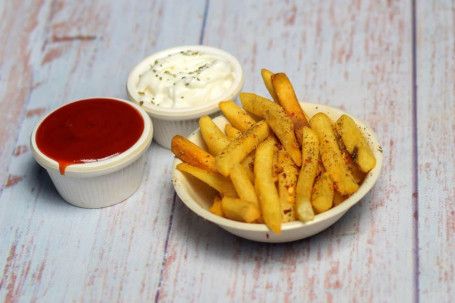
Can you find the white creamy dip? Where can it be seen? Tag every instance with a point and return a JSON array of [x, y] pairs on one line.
[[185, 79]]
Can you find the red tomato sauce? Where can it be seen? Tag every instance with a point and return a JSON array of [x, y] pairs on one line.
[[89, 130]]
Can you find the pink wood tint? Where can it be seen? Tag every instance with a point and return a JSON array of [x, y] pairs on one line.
[[389, 63]]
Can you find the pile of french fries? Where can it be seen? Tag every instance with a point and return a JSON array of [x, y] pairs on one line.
[[273, 164]]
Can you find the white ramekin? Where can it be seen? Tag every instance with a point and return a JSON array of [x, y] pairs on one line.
[[101, 183], [171, 121]]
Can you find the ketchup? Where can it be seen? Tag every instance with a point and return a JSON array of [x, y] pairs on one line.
[[88, 131]]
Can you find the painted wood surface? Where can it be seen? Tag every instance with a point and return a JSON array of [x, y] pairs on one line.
[[389, 63]]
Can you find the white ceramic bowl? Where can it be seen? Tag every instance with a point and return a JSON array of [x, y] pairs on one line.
[[169, 122], [104, 182], [199, 197]]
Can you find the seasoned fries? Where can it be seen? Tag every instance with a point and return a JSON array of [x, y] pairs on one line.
[[288, 100], [192, 154], [355, 143], [272, 164], [267, 78], [265, 185], [331, 155], [240, 210], [221, 184], [240, 147], [231, 131], [310, 155], [236, 115], [214, 138], [287, 181], [242, 184], [322, 196], [278, 120]]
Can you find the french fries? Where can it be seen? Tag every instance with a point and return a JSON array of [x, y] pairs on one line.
[[288, 100], [236, 115], [278, 120], [272, 164], [355, 143], [221, 184], [267, 78], [240, 147], [287, 182], [265, 185], [214, 138], [322, 195], [310, 155], [192, 154], [331, 155], [242, 184], [240, 210], [231, 131], [216, 207]]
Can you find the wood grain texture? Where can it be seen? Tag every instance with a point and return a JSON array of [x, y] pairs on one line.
[[436, 149], [396, 245]]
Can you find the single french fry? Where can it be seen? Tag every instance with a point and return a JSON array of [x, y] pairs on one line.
[[248, 165], [242, 184], [355, 143], [322, 194], [267, 78], [288, 100], [222, 184], [355, 170], [192, 154], [265, 185], [236, 115], [216, 207], [231, 131], [240, 147], [338, 198], [255, 104], [310, 156], [240, 210], [278, 120], [331, 155], [213, 137], [287, 182]]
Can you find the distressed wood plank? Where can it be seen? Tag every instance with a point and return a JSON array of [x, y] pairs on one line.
[[436, 147], [49, 250]]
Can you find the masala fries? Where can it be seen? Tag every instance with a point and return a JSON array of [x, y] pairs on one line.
[[277, 119], [288, 100], [265, 185], [310, 155], [213, 137], [240, 147], [355, 143], [221, 184], [331, 155], [192, 154], [272, 164]]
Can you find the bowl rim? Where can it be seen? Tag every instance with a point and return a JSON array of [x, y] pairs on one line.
[[185, 113], [104, 166], [338, 210]]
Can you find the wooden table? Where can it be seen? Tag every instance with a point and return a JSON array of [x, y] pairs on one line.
[[390, 63]]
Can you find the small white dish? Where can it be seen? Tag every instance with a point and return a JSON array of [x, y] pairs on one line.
[[170, 121], [104, 182], [199, 197]]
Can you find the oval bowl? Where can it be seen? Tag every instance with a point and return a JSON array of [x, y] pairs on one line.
[[199, 197]]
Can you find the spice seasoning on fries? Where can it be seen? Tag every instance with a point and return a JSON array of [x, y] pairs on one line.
[[272, 163]]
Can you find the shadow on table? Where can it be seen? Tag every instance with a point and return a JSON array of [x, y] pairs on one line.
[[198, 233]]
